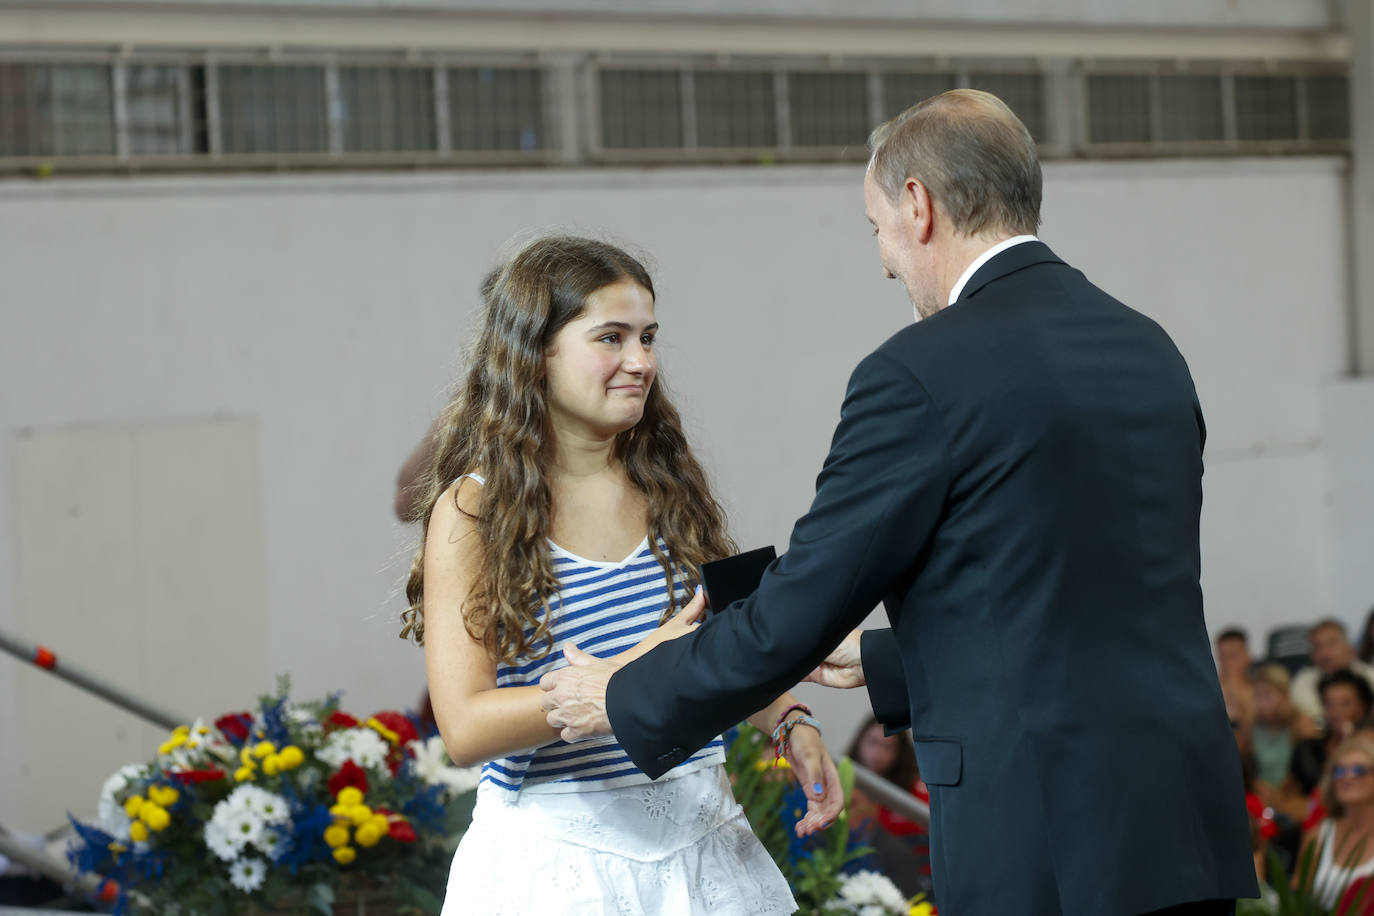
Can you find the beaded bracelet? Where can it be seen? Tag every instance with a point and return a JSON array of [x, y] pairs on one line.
[[782, 735]]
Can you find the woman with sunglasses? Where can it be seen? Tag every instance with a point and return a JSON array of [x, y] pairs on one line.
[[1344, 841]]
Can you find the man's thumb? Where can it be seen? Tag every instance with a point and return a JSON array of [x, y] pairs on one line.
[[576, 656]]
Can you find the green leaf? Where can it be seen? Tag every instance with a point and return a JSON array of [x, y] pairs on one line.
[[320, 897]]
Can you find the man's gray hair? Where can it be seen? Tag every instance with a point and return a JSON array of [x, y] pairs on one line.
[[974, 156]]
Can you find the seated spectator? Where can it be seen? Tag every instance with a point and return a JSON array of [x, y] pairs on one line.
[[1344, 841], [1331, 651], [1233, 668], [1366, 653], [898, 843], [1346, 700], [1278, 725]]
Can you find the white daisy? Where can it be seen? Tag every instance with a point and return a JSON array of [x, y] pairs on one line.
[[110, 810], [268, 806], [270, 844], [248, 874], [218, 841], [431, 763], [363, 746], [242, 828]]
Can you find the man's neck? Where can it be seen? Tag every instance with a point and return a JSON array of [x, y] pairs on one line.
[[962, 251]]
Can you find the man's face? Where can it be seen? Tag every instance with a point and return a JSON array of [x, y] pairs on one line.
[[1233, 657], [899, 251], [1342, 707], [1330, 650]]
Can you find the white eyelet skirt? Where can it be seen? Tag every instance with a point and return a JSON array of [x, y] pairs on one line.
[[677, 847]]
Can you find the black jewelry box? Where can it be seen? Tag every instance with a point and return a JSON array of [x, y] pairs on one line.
[[734, 578]]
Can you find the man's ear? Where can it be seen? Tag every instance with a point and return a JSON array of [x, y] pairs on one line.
[[920, 209]]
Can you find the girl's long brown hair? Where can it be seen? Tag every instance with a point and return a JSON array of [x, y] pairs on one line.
[[498, 424]]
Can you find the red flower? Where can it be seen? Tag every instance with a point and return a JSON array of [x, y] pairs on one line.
[[350, 774], [400, 830], [191, 777], [235, 726], [398, 723], [341, 720]]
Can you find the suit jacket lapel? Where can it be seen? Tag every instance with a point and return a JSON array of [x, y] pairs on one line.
[[1006, 262]]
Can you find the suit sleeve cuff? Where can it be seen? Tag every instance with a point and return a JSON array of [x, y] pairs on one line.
[[882, 664]]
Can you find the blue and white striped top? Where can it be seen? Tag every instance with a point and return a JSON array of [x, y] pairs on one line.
[[603, 608]]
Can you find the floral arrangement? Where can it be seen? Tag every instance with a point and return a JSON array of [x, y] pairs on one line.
[[825, 870], [281, 809]]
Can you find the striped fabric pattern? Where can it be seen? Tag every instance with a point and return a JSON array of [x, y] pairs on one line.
[[603, 608]]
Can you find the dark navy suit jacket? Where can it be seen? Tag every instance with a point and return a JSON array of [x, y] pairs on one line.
[[1018, 478]]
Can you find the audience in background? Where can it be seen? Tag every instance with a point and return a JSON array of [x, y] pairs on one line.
[[1366, 652], [1277, 727], [1331, 652], [1346, 700], [899, 843], [1344, 841], [1233, 668]]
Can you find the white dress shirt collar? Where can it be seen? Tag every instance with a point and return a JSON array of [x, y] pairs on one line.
[[983, 259]]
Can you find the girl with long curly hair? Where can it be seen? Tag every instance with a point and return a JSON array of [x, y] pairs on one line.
[[564, 507]]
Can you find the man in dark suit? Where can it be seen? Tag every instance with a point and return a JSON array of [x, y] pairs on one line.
[[1017, 476]]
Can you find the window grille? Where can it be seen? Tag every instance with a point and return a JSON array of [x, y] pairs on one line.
[[735, 108], [641, 109], [498, 108], [272, 108], [1266, 108], [828, 109], [387, 109]]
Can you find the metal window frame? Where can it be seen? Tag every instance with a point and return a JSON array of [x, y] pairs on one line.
[[573, 120]]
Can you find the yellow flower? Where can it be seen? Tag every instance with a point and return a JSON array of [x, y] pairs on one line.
[[921, 909], [291, 757], [182, 730], [393, 738], [336, 836], [132, 805], [166, 796], [345, 855], [246, 756], [368, 835], [264, 748], [271, 765], [359, 815], [177, 740], [781, 764], [762, 764], [202, 730], [379, 821], [138, 832], [243, 774], [340, 812], [155, 816], [350, 796]]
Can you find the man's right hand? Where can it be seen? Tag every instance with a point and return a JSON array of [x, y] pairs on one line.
[[843, 667]]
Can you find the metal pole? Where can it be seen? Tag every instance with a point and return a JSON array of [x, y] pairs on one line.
[[92, 886], [891, 796], [46, 659]]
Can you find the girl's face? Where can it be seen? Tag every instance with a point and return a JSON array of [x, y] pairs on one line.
[[602, 365], [1353, 779], [877, 751], [1268, 700]]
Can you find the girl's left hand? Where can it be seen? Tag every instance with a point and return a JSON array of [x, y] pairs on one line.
[[815, 770]]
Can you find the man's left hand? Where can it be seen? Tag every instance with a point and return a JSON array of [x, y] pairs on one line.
[[575, 697]]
